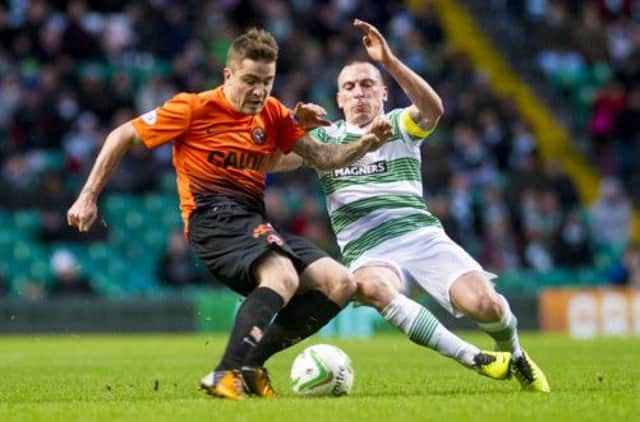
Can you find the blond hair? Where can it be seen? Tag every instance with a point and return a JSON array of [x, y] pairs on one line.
[[255, 44]]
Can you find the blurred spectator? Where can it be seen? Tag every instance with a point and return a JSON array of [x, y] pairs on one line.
[[550, 213], [461, 206], [628, 134], [136, 172], [20, 180], [69, 70], [81, 142], [78, 39], [571, 245], [536, 254], [31, 291], [625, 270], [612, 9], [523, 146], [440, 207], [9, 100], [67, 279], [177, 267], [559, 54], [494, 135], [631, 265], [499, 248], [561, 184], [611, 215], [526, 176], [472, 158], [590, 35], [154, 91], [607, 106], [174, 30], [493, 206], [536, 224]]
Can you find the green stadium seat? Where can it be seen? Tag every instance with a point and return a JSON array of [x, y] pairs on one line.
[[171, 218], [589, 277], [53, 160], [134, 220], [117, 269], [117, 206], [8, 238], [154, 239], [27, 221], [40, 269], [168, 182], [22, 251], [99, 251], [601, 73], [6, 218], [153, 203], [106, 286]]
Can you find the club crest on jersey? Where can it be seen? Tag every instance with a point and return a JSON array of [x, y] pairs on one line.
[[150, 117], [362, 169], [258, 135], [262, 230], [256, 333], [274, 239]]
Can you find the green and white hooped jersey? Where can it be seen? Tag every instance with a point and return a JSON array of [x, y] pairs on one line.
[[378, 197]]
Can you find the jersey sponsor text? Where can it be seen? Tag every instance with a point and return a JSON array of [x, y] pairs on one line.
[[362, 170], [239, 160]]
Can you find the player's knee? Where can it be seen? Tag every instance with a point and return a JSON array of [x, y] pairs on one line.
[[289, 282], [342, 288], [285, 283], [375, 292], [485, 307], [277, 272]]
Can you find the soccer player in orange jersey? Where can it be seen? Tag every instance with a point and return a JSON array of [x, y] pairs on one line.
[[224, 142]]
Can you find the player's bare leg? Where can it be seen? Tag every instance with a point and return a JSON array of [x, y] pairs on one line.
[[380, 287], [474, 296], [325, 287]]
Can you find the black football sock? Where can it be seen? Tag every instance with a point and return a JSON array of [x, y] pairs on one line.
[[304, 315], [255, 313]]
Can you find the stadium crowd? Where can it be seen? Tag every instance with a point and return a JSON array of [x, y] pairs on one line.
[[590, 52], [70, 70]]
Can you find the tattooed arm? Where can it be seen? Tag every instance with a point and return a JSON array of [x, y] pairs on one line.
[[327, 157]]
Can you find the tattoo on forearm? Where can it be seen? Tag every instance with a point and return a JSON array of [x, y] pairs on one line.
[[329, 156]]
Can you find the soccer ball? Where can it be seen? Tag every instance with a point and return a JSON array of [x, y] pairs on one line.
[[322, 370]]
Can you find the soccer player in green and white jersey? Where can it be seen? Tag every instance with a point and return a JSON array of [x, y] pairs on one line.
[[385, 232]]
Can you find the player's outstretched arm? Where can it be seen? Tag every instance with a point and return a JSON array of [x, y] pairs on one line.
[[427, 105], [325, 157], [84, 210], [289, 162]]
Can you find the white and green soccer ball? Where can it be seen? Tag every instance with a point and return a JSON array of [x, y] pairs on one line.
[[322, 370]]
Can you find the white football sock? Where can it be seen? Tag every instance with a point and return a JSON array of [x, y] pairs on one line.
[[505, 331], [423, 328]]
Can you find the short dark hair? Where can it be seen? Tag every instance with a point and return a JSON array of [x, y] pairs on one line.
[[255, 44], [356, 62]]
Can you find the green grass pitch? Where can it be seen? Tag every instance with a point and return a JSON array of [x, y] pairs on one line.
[[151, 377]]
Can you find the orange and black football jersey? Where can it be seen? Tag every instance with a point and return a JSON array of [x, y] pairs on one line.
[[216, 149]]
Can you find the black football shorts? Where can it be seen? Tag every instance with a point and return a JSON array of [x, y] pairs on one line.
[[230, 239]]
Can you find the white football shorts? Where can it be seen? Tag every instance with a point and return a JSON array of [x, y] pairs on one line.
[[426, 257]]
